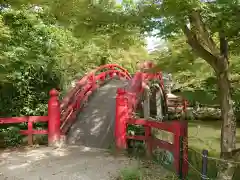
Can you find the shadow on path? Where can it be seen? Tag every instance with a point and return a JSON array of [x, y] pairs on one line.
[[95, 124]]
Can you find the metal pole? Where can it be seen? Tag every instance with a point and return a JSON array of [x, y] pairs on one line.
[[204, 164]]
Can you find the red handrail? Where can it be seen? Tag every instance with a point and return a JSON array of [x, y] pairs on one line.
[[74, 100], [29, 120], [120, 71]]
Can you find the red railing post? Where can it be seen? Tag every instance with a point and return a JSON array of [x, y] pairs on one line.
[[121, 119], [53, 118], [30, 131], [176, 152], [92, 81], [181, 147], [149, 148]]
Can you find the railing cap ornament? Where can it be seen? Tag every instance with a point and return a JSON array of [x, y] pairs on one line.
[[53, 93]]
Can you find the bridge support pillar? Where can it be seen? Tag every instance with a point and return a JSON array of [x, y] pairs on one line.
[[121, 120], [53, 119]]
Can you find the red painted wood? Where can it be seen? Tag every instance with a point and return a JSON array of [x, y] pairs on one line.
[[75, 102], [54, 118], [86, 86], [70, 115], [38, 118], [176, 152], [40, 131], [115, 66], [30, 135], [66, 114], [15, 120], [67, 99], [121, 119], [148, 140], [166, 126], [111, 73], [178, 128]]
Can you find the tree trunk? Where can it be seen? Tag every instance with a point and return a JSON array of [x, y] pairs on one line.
[[228, 131], [199, 38]]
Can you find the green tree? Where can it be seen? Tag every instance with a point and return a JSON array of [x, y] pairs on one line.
[[202, 22], [39, 52], [32, 41]]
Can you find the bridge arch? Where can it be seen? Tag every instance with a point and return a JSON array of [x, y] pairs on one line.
[[77, 96]]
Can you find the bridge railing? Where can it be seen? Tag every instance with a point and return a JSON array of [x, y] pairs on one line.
[[102, 72], [74, 101], [126, 101], [30, 120], [53, 130]]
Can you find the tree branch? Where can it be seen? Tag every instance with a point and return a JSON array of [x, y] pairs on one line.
[[202, 31], [200, 50], [223, 44]]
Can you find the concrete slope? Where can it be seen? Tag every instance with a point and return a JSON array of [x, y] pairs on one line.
[[94, 126]]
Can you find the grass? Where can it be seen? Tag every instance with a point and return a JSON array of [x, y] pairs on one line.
[[146, 170], [206, 135], [130, 174]]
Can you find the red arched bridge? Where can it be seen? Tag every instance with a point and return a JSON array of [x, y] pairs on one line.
[[98, 109]]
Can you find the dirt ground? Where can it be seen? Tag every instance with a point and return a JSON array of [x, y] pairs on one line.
[[70, 163]]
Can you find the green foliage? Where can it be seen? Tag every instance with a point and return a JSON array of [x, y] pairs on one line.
[[194, 77], [31, 62], [169, 16], [10, 136], [39, 52]]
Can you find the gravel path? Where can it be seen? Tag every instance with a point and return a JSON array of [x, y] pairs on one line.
[[71, 163]]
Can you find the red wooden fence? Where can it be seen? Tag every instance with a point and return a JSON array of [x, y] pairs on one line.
[[126, 102], [29, 120], [53, 119]]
